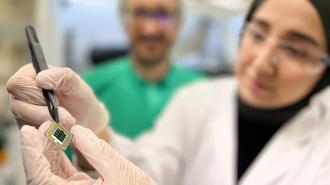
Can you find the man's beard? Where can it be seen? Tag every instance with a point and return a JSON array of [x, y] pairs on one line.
[[151, 60]]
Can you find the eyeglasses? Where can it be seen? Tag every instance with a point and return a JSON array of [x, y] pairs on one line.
[[162, 16], [307, 58]]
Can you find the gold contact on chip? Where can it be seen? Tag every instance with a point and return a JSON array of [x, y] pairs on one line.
[[59, 135]]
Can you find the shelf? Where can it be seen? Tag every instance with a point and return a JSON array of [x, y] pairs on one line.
[[219, 8]]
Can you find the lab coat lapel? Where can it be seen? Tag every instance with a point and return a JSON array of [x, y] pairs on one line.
[[283, 155], [223, 125]]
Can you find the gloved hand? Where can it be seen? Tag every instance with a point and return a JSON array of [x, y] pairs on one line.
[[76, 100], [45, 164]]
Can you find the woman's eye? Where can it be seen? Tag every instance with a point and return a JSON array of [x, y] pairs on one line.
[[297, 52], [257, 36]]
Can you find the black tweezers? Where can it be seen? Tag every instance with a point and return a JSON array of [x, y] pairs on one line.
[[39, 64]]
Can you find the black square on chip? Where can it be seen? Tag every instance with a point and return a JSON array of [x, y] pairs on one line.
[[60, 134]]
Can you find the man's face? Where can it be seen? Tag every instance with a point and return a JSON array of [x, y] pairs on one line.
[[152, 26]]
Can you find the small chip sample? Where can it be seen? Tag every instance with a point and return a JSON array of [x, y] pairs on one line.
[[59, 135]]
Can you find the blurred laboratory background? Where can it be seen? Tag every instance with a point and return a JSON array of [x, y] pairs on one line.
[[82, 33]]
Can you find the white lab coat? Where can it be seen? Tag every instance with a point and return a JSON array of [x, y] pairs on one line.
[[194, 142]]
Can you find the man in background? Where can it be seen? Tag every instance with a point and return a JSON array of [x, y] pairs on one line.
[[135, 88]]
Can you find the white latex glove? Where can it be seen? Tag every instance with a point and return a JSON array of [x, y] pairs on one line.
[[45, 164], [76, 99]]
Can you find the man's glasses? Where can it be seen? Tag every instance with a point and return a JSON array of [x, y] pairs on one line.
[[162, 16]]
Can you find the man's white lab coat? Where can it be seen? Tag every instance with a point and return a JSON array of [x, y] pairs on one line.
[[194, 142]]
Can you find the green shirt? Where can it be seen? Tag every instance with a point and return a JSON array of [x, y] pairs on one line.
[[134, 103]]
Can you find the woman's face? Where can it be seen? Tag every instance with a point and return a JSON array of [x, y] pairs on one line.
[[279, 57]]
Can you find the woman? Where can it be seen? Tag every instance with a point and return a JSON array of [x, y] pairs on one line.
[[270, 125]]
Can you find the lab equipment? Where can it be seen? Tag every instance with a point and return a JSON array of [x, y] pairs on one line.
[[56, 133]]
